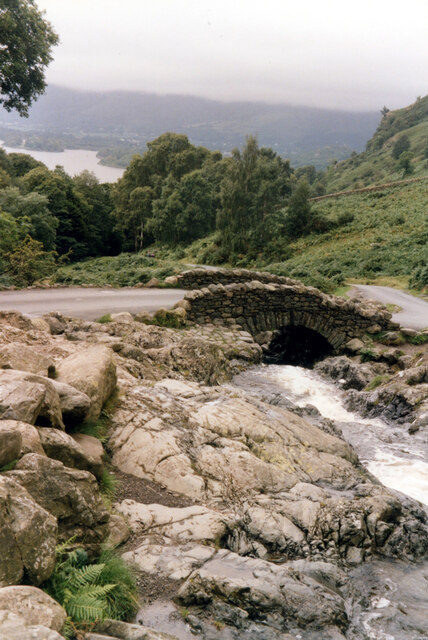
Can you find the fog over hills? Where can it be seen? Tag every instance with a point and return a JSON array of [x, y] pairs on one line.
[[301, 133]]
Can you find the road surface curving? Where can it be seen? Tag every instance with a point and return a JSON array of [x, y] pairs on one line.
[[88, 303], [414, 312]]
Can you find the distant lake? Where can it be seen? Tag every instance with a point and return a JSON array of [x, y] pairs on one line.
[[74, 161]]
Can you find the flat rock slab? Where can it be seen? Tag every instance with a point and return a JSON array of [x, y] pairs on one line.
[[174, 562], [195, 523], [124, 631]]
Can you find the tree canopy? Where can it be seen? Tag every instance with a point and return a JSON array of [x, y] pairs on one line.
[[26, 41]]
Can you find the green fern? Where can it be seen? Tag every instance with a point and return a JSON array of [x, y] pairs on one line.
[[89, 603], [85, 576], [91, 592]]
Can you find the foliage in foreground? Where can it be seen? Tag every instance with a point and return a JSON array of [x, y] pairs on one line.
[[92, 592]]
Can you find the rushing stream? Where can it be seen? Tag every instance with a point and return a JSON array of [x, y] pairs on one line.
[[397, 592], [390, 453]]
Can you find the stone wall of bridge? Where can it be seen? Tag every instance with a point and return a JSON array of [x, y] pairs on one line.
[[259, 307], [199, 278]]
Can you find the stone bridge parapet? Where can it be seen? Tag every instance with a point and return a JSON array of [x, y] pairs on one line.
[[199, 278], [259, 307]]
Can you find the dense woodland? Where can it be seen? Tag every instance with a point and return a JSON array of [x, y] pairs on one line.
[[173, 194], [252, 206]]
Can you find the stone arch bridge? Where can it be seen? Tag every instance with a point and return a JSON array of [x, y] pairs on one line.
[[271, 306]]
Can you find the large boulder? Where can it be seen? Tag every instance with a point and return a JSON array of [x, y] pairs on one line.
[[18, 356], [72, 496], [13, 627], [27, 532], [30, 398], [63, 447], [93, 372], [29, 436], [33, 605]]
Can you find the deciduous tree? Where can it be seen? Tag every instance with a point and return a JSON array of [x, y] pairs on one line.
[[26, 41]]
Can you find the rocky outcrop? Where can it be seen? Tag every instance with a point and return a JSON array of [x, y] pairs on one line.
[[290, 487], [117, 630], [258, 513], [75, 405], [10, 445], [28, 434], [27, 532], [250, 591], [186, 524], [350, 374]]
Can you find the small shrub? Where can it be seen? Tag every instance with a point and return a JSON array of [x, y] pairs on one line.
[[420, 338], [105, 318], [10, 466], [97, 429], [376, 382], [167, 318], [368, 355], [108, 484]]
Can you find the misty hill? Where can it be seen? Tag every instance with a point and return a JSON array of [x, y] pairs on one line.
[[303, 134], [382, 160]]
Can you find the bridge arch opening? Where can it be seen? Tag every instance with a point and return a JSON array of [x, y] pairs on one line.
[[298, 346]]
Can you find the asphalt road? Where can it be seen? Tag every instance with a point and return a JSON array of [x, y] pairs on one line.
[[89, 304], [414, 312]]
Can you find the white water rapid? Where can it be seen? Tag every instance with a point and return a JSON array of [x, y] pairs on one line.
[[390, 453]]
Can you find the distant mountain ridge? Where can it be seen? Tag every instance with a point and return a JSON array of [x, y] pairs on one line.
[[293, 131]]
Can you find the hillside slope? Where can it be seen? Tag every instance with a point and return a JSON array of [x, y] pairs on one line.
[[377, 163], [382, 234]]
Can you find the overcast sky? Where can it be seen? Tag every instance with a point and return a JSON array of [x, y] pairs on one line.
[[330, 53]]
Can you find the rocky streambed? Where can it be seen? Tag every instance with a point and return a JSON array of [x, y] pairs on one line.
[[247, 511]]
